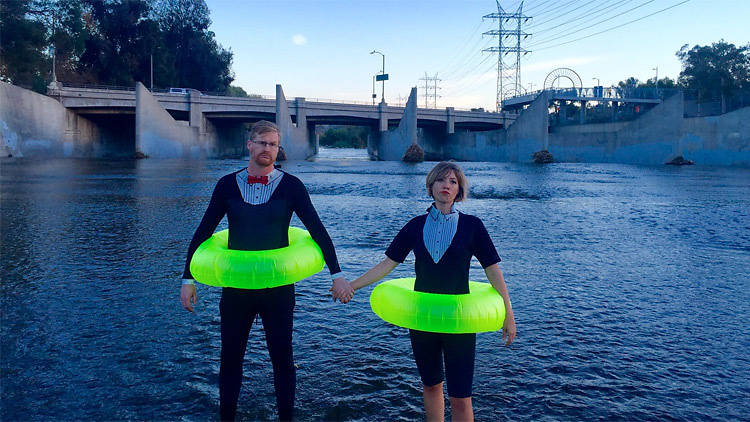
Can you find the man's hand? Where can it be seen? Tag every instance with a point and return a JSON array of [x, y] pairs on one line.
[[509, 329], [188, 297], [341, 290]]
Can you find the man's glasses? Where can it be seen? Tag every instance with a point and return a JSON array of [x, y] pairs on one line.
[[264, 144]]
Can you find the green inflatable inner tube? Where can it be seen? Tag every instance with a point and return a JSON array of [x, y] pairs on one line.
[[216, 265], [482, 309]]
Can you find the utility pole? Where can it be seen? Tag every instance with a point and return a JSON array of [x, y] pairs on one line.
[[152, 72], [427, 88], [656, 80], [509, 72]]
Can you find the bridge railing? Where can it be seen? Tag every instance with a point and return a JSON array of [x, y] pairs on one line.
[[610, 93], [259, 96], [97, 87]]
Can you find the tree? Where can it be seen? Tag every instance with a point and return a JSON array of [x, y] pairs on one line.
[[112, 42], [235, 91], [22, 51], [200, 62], [344, 137], [631, 82], [117, 52], [715, 70]]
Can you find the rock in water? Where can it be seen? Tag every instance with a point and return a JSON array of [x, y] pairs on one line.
[[543, 157], [281, 156], [680, 161], [413, 154]]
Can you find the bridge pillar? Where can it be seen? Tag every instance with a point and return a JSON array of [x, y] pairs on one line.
[[294, 138], [196, 110], [450, 121], [382, 117], [582, 113], [390, 145], [614, 110]]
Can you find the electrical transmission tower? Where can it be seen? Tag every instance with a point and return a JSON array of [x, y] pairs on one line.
[[427, 88], [507, 73]]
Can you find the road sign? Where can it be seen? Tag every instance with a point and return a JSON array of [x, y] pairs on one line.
[[383, 77]]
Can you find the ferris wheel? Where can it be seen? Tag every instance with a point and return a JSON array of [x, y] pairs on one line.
[[562, 73]]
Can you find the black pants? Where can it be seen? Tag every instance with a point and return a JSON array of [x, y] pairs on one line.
[[238, 309], [456, 350]]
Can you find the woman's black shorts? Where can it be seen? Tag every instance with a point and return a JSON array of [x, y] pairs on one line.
[[457, 350]]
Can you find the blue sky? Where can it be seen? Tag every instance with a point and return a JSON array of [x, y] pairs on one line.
[[320, 49]]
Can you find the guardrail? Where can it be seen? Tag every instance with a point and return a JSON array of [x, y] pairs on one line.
[[97, 87]]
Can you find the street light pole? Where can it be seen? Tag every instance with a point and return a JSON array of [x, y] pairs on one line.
[[382, 99], [597, 81]]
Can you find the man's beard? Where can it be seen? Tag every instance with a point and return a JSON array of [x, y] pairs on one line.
[[263, 160]]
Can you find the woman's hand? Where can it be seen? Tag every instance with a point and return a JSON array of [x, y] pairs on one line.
[[188, 296], [341, 290], [509, 329], [495, 276]]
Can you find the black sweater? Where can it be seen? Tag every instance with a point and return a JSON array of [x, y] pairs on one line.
[[450, 275], [263, 226]]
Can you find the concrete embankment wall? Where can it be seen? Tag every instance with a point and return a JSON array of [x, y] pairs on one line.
[[526, 135], [657, 137], [158, 135], [717, 140], [36, 125]]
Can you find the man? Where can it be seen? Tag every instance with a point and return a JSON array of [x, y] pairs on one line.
[[259, 202]]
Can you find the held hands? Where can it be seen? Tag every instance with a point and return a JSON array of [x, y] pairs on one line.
[[188, 297], [509, 328], [341, 290]]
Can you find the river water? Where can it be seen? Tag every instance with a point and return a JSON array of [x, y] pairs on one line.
[[630, 284]]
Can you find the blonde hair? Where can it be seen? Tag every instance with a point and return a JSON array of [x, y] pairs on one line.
[[441, 169], [261, 127]]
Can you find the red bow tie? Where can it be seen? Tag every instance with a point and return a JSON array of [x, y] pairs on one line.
[[257, 179]]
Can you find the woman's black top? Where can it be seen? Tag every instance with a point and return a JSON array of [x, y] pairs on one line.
[[450, 275], [264, 226]]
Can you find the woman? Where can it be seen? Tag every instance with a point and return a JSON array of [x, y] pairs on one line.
[[443, 241]]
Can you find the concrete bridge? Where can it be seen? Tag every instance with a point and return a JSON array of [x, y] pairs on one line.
[[75, 122], [195, 125]]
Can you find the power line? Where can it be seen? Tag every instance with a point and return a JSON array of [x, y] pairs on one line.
[[555, 8], [538, 5], [615, 27], [587, 13], [462, 50], [468, 62], [537, 24], [470, 82], [557, 35]]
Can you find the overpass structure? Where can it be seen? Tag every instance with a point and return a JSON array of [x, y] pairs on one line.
[[192, 124], [78, 122]]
